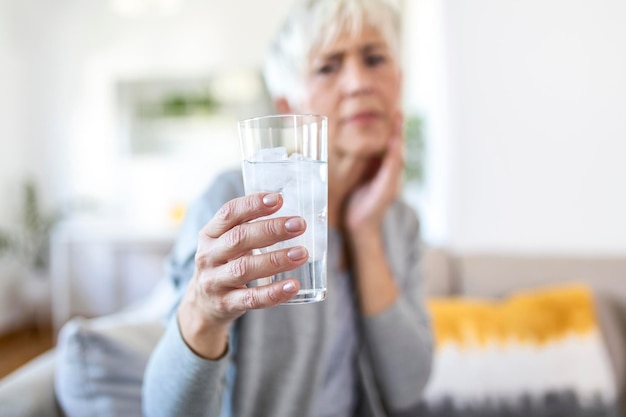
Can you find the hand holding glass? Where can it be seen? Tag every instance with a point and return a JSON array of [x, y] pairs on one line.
[[288, 154]]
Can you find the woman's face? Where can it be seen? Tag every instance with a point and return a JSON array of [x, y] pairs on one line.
[[356, 82]]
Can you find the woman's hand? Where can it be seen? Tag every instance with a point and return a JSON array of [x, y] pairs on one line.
[[364, 212], [217, 293], [367, 204]]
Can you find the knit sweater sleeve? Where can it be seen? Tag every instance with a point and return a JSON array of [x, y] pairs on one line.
[[177, 382], [399, 339]]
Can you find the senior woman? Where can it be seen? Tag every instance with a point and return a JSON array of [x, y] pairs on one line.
[[366, 350]]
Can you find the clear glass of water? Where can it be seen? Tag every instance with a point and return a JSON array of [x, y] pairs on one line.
[[288, 154]]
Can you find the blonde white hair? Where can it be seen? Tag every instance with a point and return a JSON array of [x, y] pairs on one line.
[[312, 24]]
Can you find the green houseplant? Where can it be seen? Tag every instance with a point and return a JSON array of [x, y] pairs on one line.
[[27, 241], [414, 142], [24, 262]]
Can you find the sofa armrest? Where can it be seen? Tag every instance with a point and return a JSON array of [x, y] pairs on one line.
[[29, 390]]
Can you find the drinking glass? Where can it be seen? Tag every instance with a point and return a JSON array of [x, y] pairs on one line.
[[288, 154]]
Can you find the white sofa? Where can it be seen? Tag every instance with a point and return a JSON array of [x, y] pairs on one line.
[[29, 391]]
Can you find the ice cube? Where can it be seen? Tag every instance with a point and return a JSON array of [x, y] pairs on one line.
[[320, 239], [291, 190], [270, 154], [274, 177]]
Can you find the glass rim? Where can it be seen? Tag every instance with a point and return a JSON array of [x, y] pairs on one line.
[[282, 116]]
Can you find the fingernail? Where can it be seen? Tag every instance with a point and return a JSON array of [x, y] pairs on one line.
[[289, 287], [294, 224], [297, 253], [270, 200]]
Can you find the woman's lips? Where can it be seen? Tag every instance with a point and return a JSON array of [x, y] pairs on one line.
[[362, 118]]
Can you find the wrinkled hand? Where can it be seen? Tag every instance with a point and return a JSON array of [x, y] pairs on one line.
[[218, 294], [367, 204]]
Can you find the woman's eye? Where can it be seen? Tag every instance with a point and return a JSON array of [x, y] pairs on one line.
[[328, 68], [374, 60]]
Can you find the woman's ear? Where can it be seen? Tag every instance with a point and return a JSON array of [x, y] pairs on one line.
[[282, 105]]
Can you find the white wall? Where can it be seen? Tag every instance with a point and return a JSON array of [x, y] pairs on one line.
[[71, 56], [523, 103], [11, 143], [426, 95], [534, 99]]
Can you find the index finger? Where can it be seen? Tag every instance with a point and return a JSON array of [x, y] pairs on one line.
[[241, 210]]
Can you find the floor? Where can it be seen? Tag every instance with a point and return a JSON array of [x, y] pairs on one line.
[[20, 346]]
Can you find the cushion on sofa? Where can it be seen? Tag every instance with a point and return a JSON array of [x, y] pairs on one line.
[[100, 368], [498, 275], [534, 353]]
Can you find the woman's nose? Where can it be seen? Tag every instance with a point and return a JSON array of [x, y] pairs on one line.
[[356, 79]]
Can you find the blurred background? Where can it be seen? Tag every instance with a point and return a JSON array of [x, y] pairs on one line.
[[116, 114]]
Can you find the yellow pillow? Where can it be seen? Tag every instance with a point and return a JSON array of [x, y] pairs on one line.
[[537, 316], [534, 353]]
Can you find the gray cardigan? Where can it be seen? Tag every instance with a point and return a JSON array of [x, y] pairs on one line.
[[273, 363]]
